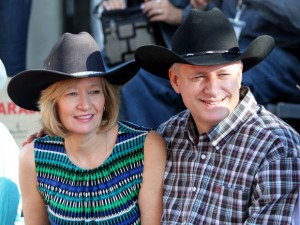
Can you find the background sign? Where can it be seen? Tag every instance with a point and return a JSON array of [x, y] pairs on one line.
[[20, 122]]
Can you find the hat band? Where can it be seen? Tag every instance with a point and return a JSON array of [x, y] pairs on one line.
[[211, 53], [86, 73]]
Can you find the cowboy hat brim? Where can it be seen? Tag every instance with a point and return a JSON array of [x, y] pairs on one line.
[[157, 60], [25, 88]]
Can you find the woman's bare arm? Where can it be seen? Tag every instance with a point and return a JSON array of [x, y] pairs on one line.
[[32, 201], [151, 193]]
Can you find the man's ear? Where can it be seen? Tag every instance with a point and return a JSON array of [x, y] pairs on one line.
[[240, 75], [174, 81]]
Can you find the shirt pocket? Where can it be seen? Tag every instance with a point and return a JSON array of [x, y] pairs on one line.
[[223, 203]]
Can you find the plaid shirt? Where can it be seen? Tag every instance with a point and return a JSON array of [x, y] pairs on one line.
[[246, 170]]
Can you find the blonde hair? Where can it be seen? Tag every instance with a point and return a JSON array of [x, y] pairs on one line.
[[49, 97]]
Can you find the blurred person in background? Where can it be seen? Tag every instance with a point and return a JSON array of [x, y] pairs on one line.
[[273, 80], [151, 103], [14, 23], [9, 180]]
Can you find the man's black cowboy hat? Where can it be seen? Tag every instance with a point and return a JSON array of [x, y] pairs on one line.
[[73, 56], [205, 38]]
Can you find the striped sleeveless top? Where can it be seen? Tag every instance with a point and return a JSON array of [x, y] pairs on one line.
[[104, 195]]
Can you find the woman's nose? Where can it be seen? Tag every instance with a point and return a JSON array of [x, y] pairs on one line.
[[84, 102]]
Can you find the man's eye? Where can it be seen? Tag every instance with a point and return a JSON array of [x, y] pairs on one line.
[[198, 77], [223, 74]]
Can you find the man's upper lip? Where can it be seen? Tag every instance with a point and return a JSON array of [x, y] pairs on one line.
[[212, 102]]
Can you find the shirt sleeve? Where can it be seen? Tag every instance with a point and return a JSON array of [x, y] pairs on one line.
[[275, 192], [296, 213]]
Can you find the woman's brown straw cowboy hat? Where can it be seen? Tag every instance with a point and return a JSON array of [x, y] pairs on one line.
[[73, 56], [205, 38]]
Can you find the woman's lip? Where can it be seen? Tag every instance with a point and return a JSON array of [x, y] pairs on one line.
[[84, 116]]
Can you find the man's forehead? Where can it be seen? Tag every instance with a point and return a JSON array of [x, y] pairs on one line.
[[207, 67]]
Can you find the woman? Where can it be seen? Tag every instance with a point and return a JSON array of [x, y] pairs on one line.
[[90, 168]]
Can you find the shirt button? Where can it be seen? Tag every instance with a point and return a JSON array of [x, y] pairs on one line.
[[203, 156], [194, 189]]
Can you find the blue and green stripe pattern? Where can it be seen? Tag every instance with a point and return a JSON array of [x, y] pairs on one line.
[[104, 195]]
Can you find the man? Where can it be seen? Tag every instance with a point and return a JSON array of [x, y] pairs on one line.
[[229, 160]]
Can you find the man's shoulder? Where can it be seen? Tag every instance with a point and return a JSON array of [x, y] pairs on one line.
[[268, 124], [178, 120]]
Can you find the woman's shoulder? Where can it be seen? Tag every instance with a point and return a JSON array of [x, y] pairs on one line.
[[26, 157], [49, 144], [47, 139]]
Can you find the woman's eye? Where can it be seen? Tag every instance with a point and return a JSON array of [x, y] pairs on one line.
[[94, 92], [71, 93]]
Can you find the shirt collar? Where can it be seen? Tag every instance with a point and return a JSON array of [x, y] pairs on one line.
[[246, 109], [223, 131]]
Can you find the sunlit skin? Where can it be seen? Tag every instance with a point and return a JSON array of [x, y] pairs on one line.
[[210, 92], [80, 108]]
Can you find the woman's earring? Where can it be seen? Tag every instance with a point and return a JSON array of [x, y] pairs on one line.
[[103, 108]]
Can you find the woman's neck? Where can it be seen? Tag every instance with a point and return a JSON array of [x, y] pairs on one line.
[[90, 151]]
